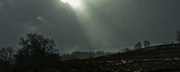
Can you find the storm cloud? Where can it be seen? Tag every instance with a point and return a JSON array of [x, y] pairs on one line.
[[123, 22]]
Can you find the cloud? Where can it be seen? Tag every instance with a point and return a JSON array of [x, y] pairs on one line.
[[1, 4], [126, 22]]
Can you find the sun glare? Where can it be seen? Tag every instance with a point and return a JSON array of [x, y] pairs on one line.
[[73, 3]]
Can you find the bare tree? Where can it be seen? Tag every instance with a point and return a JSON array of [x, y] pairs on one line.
[[178, 36], [36, 49], [126, 50], [6, 54], [138, 45], [146, 43]]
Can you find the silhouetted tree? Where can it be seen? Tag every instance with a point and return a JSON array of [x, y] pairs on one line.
[[6, 54], [6, 57], [83, 55], [126, 50], [146, 43], [178, 36], [36, 52], [100, 53], [138, 45]]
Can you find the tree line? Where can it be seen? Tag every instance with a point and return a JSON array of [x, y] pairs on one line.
[[83, 55], [147, 43], [38, 54]]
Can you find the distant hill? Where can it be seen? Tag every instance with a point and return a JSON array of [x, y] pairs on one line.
[[154, 52], [83, 55], [155, 58]]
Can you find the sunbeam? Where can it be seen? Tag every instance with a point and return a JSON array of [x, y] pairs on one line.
[[72, 3], [93, 27]]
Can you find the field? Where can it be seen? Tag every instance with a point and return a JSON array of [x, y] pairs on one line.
[[161, 58]]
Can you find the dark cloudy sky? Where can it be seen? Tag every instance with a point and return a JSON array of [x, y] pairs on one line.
[[101, 25]]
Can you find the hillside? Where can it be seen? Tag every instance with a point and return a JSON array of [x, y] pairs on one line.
[[154, 58], [169, 51]]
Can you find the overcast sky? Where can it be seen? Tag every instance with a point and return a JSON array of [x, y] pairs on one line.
[[102, 24]]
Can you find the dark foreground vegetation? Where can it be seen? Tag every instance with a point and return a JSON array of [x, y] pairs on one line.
[[37, 54], [156, 58]]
